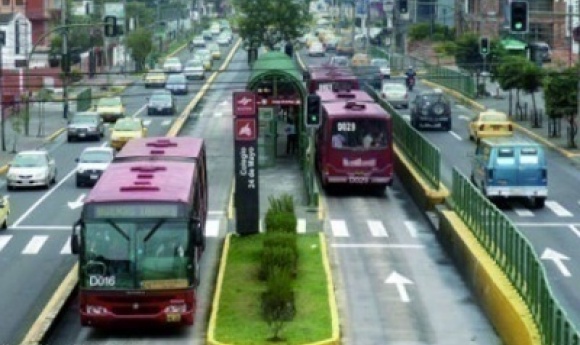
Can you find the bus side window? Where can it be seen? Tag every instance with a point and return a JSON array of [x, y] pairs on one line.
[[197, 200]]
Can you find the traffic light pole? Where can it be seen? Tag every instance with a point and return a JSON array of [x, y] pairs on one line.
[[64, 57]]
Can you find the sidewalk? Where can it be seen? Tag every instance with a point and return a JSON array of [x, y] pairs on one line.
[[46, 125]]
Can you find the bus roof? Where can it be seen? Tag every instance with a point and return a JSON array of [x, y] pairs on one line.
[[144, 181], [343, 96], [350, 109], [332, 73], [161, 148]]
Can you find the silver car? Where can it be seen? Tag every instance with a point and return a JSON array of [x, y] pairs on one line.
[[92, 163], [177, 84], [194, 69], [85, 125], [31, 169], [396, 94], [172, 65]]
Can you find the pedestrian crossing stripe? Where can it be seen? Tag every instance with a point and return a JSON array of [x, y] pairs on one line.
[[35, 244]]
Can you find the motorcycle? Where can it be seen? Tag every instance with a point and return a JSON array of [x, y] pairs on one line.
[[410, 83]]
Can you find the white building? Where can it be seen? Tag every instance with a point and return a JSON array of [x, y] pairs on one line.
[[18, 33]]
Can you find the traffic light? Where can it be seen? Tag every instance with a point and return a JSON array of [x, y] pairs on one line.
[[403, 6], [313, 111], [519, 15], [110, 26], [484, 46]]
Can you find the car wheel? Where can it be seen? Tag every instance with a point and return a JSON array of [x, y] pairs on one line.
[[78, 183], [4, 225], [539, 202], [438, 109], [149, 112]]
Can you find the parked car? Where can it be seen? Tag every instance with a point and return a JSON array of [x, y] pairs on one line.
[[177, 84], [490, 123], [91, 164], [316, 49], [155, 78], [384, 66], [396, 94], [110, 108], [4, 212], [215, 51], [31, 169], [172, 65], [194, 69], [125, 130], [432, 108], [85, 125], [198, 42], [511, 167], [161, 102]]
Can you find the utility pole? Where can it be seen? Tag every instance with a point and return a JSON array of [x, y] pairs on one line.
[[574, 128], [2, 122], [63, 57]]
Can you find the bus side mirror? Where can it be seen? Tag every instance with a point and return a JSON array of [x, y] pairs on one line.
[[75, 239], [197, 233]]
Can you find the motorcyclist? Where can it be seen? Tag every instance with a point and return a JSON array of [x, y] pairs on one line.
[[410, 73], [190, 47]]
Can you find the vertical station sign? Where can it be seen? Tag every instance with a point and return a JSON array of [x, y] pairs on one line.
[[247, 198]]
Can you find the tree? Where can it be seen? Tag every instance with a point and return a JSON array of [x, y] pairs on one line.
[[560, 102], [139, 41], [507, 74], [268, 22], [530, 81], [142, 14]]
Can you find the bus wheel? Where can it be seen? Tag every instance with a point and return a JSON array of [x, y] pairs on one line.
[[539, 202]]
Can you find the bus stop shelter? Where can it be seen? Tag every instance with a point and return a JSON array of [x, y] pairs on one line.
[[277, 81]]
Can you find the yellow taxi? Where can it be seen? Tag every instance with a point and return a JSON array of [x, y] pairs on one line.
[[110, 108], [214, 49], [490, 123], [125, 130], [361, 59], [4, 212], [155, 78]]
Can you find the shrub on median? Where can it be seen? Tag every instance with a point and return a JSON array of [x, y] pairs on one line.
[[278, 258], [278, 305]]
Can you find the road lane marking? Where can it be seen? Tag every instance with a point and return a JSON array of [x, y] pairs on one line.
[[558, 209], [41, 227], [301, 226], [523, 212], [216, 213], [377, 228], [146, 123], [574, 230], [338, 228], [66, 249], [35, 244], [39, 201], [212, 228], [540, 225], [166, 123], [457, 136], [377, 245], [406, 117], [462, 107], [4, 239], [218, 114], [135, 114], [411, 227]]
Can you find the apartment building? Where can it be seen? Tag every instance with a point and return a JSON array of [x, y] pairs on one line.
[[39, 12]]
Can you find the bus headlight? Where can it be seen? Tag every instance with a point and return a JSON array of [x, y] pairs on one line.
[[176, 308], [96, 310]]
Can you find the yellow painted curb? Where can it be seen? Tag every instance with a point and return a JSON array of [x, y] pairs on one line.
[[504, 306], [472, 103], [231, 202], [218, 291], [435, 195], [335, 337], [51, 310]]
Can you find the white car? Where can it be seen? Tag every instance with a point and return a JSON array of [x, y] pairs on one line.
[[198, 42], [172, 65], [31, 169], [223, 39], [384, 67], [396, 94], [194, 69], [316, 49], [92, 163]]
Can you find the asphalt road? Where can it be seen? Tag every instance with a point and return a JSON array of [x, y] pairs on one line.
[[396, 285], [35, 250]]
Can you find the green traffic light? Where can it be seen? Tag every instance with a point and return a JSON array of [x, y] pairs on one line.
[[519, 26]]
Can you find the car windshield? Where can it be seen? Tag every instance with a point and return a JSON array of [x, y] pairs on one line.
[[434, 97], [203, 52], [394, 87], [96, 157], [110, 102], [129, 125], [195, 63], [359, 134], [176, 78], [493, 117], [29, 161], [172, 61], [339, 62], [156, 75], [380, 63], [213, 47], [161, 97], [84, 119]]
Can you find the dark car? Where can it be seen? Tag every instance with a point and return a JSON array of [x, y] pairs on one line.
[[177, 84], [432, 108], [161, 102], [85, 125]]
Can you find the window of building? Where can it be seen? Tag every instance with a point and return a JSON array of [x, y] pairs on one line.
[[19, 2], [6, 2]]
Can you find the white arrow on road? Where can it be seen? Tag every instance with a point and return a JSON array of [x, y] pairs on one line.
[[77, 203], [400, 281], [557, 257], [463, 117]]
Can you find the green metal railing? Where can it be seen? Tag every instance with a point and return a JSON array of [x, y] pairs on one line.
[[513, 253], [426, 158]]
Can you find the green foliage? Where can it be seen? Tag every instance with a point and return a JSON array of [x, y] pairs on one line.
[[278, 305], [422, 31], [560, 102], [267, 22], [508, 72], [143, 15], [282, 239], [446, 48], [280, 221], [139, 41], [285, 203], [275, 258], [467, 54]]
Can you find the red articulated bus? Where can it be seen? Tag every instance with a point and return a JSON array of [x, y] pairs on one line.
[[141, 234], [344, 96], [330, 78], [354, 145]]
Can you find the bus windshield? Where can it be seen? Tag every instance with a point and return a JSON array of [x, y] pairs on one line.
[[136, 254], [352, 133]]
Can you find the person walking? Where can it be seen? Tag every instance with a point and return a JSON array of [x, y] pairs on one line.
[[291, 135]]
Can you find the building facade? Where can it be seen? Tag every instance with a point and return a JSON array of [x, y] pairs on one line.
[[18, 39], [39, 12]]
